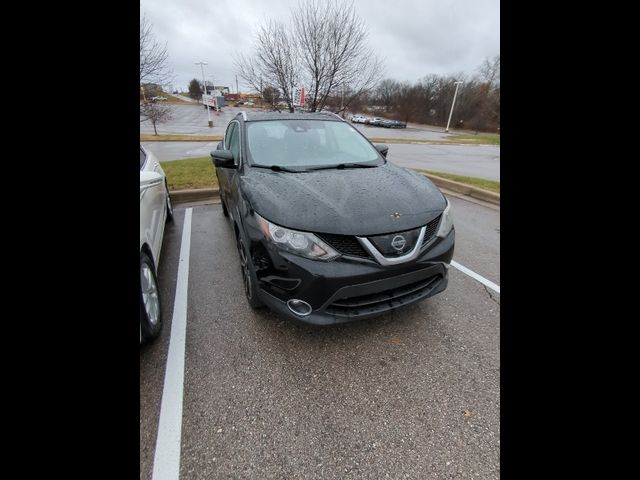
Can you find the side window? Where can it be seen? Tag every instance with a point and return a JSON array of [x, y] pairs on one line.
[[143, 157], [227, 135], [233, 143]]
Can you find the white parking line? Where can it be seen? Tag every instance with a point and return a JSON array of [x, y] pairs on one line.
[[475, 276], [166, 462]]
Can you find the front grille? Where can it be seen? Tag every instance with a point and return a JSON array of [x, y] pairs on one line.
[[432, 228], [375, 303], [345, 244], [385, 243], [349, 245]]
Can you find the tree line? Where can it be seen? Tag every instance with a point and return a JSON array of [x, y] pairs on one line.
[[323, 46], [429, 99]]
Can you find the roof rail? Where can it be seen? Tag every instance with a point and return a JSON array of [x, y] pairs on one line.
[[334, 114]]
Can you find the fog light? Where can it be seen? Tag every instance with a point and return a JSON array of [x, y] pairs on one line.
[[299, 307]]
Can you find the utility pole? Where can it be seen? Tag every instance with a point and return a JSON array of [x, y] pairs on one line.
[[452, 105], [237, 91], [204, 85]]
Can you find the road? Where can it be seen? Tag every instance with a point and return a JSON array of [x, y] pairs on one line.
[[183, 98], [192, 119], [414, 394], [470, 160]]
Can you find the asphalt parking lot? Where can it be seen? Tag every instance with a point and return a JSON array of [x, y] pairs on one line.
[[192, 119], [471, 160], [412, 394]]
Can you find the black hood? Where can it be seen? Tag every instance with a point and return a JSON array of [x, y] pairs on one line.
[[358, 201]]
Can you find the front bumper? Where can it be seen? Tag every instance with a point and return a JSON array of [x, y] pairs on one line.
[[348, 289]]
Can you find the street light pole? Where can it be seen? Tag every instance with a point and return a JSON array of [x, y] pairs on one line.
[[204, 85], [452, 105]]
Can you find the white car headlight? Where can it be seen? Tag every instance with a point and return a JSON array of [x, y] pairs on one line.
[[446, 224], [300, 243]]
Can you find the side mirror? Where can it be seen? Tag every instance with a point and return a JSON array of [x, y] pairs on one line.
[[223, 159], [382, 148], [150, 179]]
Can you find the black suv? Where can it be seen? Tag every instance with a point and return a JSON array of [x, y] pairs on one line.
[[327, 229]]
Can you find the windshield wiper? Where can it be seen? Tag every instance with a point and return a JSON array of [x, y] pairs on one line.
[[342, 166], [277, 168]]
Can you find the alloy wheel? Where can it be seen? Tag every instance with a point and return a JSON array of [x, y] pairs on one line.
[[150, 297]]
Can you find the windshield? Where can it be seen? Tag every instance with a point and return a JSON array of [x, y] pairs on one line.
[[305, 144]]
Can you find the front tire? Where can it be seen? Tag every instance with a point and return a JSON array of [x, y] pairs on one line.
[[150, 307], [249, 279], [169, 206], [225, 212]]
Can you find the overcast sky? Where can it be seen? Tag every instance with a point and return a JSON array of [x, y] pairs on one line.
[[413, 37]]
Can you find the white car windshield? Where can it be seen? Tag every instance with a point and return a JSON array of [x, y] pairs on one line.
[[305, 144]]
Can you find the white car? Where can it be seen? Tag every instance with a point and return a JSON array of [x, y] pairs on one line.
[[358, 119], [155, 211]]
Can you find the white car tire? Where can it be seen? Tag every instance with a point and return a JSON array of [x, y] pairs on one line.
[[169, 206], [150, 304]]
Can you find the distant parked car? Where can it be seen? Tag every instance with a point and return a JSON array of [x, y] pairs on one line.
[[249, 103], [391, 124], [155, 211], [375, 121], [358, 119]]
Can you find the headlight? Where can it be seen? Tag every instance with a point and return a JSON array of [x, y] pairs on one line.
[[301, 243], [446, 224]]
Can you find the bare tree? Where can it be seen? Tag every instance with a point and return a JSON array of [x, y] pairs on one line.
[[275, 61], [407, 101], [490, 75], [345, 99], [325, 48], [154, 66], [490, 71], [155, 113], [331, 40], [386, 93]]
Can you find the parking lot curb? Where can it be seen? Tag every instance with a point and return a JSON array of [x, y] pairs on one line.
[[204, 194], [194, 195], [458, 187]]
